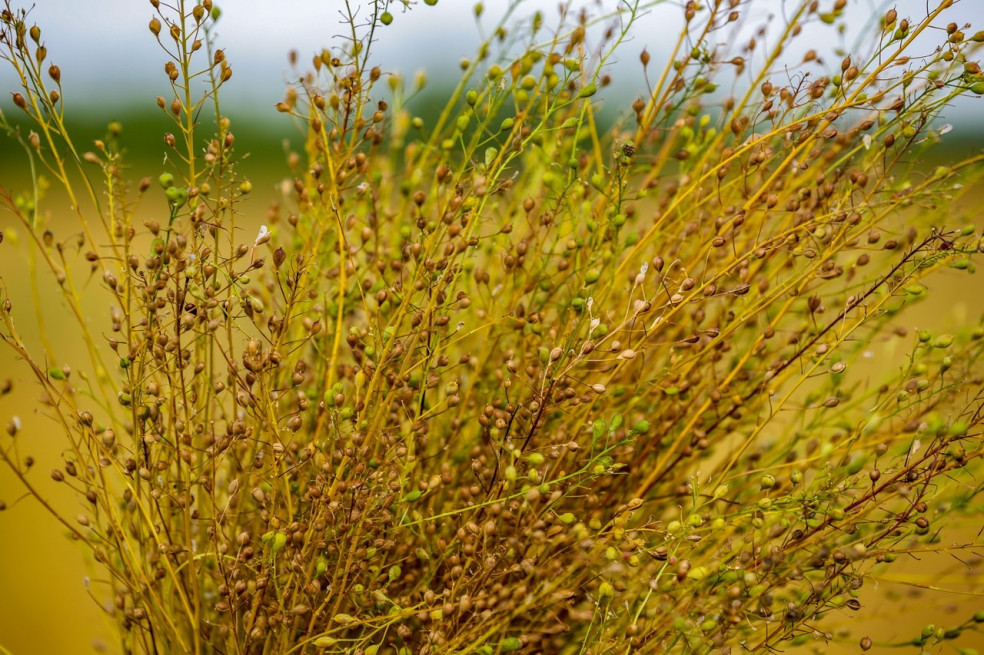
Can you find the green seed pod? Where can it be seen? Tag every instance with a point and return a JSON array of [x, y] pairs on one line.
[[958, 429], [588, 91], [176, 195]]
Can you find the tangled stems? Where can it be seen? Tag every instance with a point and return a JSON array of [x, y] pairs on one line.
[[514, 380]]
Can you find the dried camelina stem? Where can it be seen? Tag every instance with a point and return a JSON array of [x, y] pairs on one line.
[[495, 379]]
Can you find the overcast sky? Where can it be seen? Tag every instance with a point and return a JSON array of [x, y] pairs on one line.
[[109, 59]]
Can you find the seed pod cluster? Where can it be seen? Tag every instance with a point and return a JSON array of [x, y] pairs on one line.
[[481, 383]]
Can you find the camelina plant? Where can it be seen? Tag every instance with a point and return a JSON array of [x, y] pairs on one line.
[[501, 378]]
